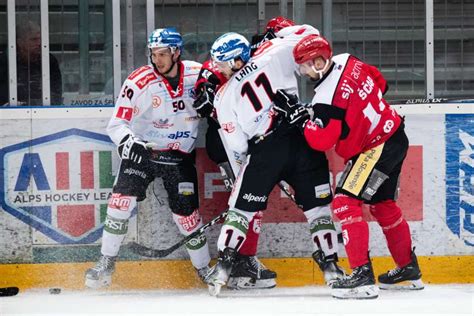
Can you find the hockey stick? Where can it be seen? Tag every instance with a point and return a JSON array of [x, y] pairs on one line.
[[160, 253], [9, 291]]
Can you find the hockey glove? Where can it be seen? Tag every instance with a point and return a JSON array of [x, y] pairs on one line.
[[295, 113], [134, 149], [227, 175], [204, 103]]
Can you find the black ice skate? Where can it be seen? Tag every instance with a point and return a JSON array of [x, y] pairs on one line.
[[101, 275], [219, 274], [249, 273], [405, 278], [359, 285], [328, 265]]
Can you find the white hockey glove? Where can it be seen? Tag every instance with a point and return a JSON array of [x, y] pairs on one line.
[[295, 113], [134, 149]]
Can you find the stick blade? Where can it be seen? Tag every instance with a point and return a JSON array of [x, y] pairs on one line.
[[9, 291], [149, 252]]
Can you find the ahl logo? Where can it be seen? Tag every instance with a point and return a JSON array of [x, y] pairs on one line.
[[459, 175], [59, 184]]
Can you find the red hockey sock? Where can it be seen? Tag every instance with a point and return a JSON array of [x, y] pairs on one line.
[[355, 230], [249, 248], [356, 241], [396, 230]]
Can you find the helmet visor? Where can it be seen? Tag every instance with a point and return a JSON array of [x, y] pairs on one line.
[[306, 67]]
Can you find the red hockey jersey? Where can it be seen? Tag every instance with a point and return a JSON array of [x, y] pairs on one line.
[[357, 88]]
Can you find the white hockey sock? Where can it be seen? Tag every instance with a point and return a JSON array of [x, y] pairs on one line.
[[234, 230], [197, 248], [323, 232], [119, 211]]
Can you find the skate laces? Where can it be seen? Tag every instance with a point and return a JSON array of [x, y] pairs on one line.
[[255, 263], [104, 263], [394, 272]]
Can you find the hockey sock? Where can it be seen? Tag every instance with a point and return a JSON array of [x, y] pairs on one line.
[[197, 248], [396, 230], [323, 232], [234, 229], [355, 230], [249, 247], [119, 211]]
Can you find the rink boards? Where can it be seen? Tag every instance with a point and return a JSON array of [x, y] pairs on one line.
[[58, 167]]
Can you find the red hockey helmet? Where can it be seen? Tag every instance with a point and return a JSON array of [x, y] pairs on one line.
[[310, 47], [278, 23]]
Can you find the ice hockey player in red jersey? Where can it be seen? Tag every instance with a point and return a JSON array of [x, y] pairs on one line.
[[348, 111], [155, 108]]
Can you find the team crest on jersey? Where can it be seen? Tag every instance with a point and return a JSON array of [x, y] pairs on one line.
[[59, 184]]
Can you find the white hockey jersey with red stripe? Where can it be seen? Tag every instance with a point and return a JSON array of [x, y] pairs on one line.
[[149, 109], [244, 104]]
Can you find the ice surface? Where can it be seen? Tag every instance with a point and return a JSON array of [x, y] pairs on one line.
[[433, 300]]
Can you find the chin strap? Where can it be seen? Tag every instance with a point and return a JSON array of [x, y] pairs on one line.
[[322, 71]]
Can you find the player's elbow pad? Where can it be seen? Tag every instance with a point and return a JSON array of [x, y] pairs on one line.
[[322, 139]]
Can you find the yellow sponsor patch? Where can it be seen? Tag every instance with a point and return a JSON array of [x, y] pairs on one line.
[[362, 169]]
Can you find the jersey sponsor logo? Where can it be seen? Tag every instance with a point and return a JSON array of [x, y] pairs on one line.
[[142, 82], [189, 223], [162, 123], [347, 90], [355, 72], [228, 127], [124, 113], [249, 197], [119, 202], [59, 184], [459, 176], [186, 188], [191, 118], [135, 172], [340, 209], [180, 134], [155, 102], [138, 72]]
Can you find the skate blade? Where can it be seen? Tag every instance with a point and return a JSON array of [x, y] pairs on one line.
[[358, 293], [215, 289], [97, 284], [409, 285], [245, 283]]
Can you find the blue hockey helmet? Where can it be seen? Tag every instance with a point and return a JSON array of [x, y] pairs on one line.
[[167, 37], [230, 46]]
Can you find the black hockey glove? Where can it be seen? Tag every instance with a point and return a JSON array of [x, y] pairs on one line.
[[259, 39], [134, 149], [295, 113], [227, 175], [204, 103]]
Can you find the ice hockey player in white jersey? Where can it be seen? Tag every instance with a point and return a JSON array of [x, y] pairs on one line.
[[274, 150], [155, 127]]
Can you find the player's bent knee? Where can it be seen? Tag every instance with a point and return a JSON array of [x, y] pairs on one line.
[[121, 206], [187, 224], [345, 207], [387, 213]]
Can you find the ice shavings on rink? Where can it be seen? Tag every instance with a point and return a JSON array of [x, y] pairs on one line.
[[434, 299]]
